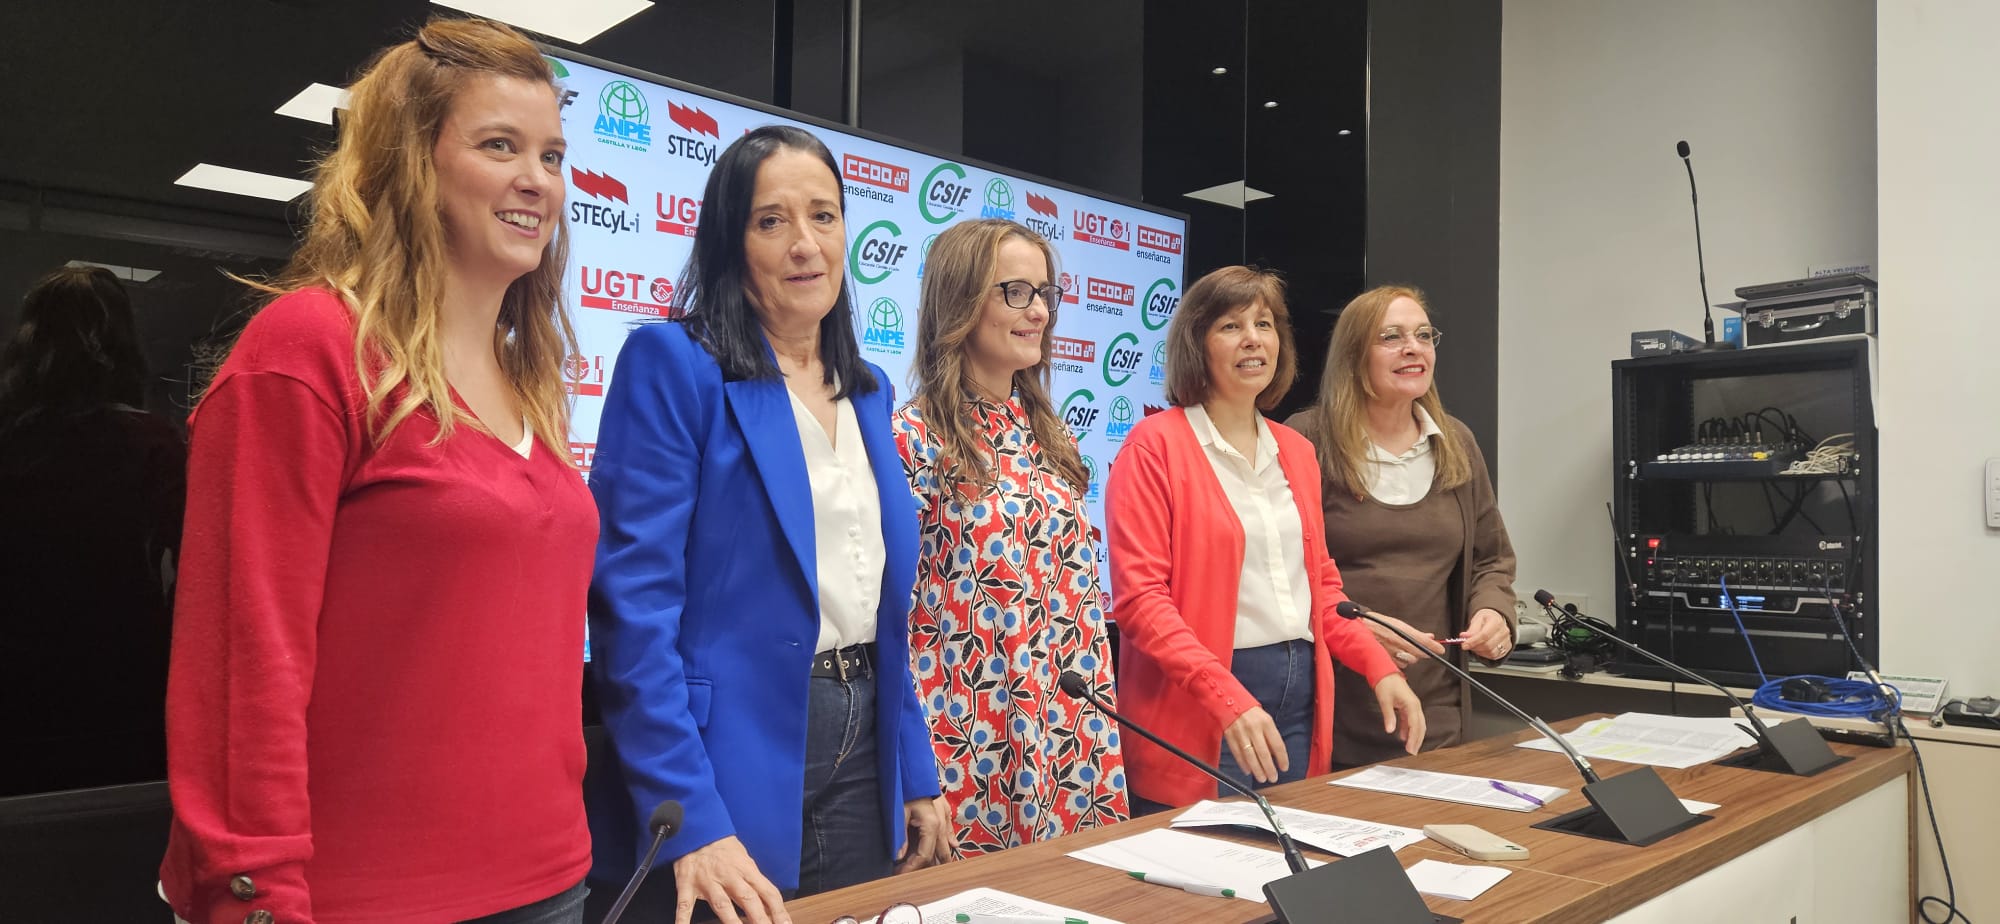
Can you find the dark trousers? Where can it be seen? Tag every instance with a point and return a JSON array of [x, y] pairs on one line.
[[565, 907], [1280, 676]]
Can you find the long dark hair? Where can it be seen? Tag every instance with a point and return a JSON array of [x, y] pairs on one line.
[[77, 347], [711, 297]]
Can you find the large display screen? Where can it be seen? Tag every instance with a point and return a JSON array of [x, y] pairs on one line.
[[640, 148]]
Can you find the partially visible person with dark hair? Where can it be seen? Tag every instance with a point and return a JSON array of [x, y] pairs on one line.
[[1410, 512], [377, 673], [1225, 591], [91, 488], [750, 611]]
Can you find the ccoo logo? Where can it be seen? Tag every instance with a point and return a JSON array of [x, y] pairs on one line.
[[1122, 359]]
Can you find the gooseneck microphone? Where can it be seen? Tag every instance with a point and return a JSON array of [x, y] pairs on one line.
[[1076, 686], [1793, 747], [1700, 262], [665, 823], [1635, 807]]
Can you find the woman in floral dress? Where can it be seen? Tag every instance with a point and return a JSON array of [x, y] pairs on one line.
[[1007, 576]]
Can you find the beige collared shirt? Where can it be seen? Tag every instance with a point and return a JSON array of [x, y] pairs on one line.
[[847, 526], [1406, 478]]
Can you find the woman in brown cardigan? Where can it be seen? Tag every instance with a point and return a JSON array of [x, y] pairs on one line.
[[1410, 516]]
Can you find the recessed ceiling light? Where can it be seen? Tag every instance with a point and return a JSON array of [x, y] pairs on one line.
[[1346, 132], [130, 274], [1220, 71], [1235, 195], [315, 103], [1270, 104], [573, 21], [243, 182]]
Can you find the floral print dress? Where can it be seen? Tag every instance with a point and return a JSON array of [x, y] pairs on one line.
[[1006, 600]]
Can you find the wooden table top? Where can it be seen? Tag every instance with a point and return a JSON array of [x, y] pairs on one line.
[[1566, 879]]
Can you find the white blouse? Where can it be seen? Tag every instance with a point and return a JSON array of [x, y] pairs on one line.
[[847, 525], [1403, 479], [1274, 591]]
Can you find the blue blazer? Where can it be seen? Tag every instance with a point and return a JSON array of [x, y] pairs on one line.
[[704, 610]]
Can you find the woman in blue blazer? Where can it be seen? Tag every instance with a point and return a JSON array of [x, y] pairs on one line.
[[749, 612]]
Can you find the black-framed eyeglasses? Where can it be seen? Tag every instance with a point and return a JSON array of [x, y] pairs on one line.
[[1020, 294], [1393, 337], [898, 913]]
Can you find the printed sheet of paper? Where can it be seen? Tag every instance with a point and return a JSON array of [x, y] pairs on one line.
[[1452, 880], [1449, 787], [1192, 857], [994, 901], [1659, 740], [1339, 836]]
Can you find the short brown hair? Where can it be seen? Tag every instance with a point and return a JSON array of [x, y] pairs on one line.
[[1211, 297]]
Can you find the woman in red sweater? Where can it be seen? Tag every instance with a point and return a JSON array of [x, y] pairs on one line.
[[377, 653], [1224, 590]]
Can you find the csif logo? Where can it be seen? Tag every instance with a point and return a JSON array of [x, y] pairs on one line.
[[1093, 228], [631, 293], [676, 215], [999, 200], [1094, 488], [1122, 359], [591, 214], [1160, 241], [945, 193], [1079, 412], [924, 254], [882, 329], [695, 123], [1162, 297], [623, 119], [1065, 349], [1121, 420], [1157, 374], [584, 375], [875, 253]]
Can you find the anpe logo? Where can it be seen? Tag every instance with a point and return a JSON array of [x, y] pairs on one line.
[[924, 254], [614, 290], [1100, 229], [1065, 348], [875, 173], [1094, 487], [1122, 359], [999, 200], [1157, 374], [1068, 284], [1079, 412], [676, 214], [875, 249], [1044, 218], [693, 119], [1121, 420], [945, 193], [591, 214], [1162, 241], [689, 146], [883, 330], [584, 375], [1161, 300], [622, 117]]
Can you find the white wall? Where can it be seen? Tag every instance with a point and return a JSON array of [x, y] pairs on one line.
[[1938, 90], [1777, 99]]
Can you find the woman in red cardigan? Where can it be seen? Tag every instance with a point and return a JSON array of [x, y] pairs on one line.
[[1224, 590]]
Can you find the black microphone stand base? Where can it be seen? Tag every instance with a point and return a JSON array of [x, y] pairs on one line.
[[1633, 808], [1793, 747], [1367, 888]]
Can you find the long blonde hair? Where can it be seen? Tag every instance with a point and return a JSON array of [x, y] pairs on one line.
[[958, 273], [1344, 393], [377, 238]]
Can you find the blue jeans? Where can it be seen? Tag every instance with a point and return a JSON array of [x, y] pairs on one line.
[[1280, 676], [565, 907], [842, 841]]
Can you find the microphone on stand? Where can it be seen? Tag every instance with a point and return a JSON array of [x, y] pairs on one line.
[[665, 823], [1367, 888], [1700, 263], [1633, 808], [1793, 747]]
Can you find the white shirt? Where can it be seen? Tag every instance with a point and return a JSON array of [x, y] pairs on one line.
[[847, 525], [527, 443], [1403, 479], [1274, 591]]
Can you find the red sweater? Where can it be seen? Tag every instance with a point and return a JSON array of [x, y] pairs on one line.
[[373, 711], [1176, 555]]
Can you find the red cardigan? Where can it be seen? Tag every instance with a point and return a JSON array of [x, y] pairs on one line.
[[372, 711], [1176, 551]]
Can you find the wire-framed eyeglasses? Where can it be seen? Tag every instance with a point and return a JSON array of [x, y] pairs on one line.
[[1019, 293], [898, 913], [1394, 337]]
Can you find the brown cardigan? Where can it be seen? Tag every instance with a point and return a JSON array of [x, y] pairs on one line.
[[1482, 577]]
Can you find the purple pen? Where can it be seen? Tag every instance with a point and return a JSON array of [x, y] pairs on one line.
[[1509, 790]]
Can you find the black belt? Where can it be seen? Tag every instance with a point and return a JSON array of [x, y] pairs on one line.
[[855, 662]]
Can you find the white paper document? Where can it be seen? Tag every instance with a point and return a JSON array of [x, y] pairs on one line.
[[1336, 835], [1451, 880], [1451, 787], [994, 901], [1659, 740], [1191, 857]]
